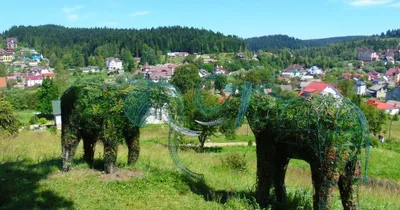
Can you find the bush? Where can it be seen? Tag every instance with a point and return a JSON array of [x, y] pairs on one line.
[[250, 143], [53, 130], [235, 161], [396, 117]]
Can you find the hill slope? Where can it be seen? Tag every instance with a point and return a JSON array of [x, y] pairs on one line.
[[277, 42], [52, 38]]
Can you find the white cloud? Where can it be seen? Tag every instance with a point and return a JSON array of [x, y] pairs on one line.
[[70, 12], [73, 17], [359, 3], [394, 5], [140, 13], [72, 9]]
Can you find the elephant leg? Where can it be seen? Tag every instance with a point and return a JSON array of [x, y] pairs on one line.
[[279, 179], [347, 185], [110, 157], [133, 146], [69, 143], [89, 146], [317, 182], [324, 179], [265, 172]]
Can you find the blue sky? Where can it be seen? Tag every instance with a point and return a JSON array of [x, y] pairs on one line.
[[303, 19]]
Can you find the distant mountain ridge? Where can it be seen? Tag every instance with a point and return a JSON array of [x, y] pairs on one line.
[[279, 41]]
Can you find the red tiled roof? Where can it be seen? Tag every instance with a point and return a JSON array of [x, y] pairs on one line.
[[48, 75], [381, 105], [314, 87], [392, 72], [3, 82], [34, 77], [294, 66]]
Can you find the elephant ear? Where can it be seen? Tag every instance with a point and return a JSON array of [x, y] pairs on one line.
[[223, 112], [137, 106]]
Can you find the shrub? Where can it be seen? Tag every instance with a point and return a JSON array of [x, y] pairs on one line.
[[396, 117], [53, 130], [250, 143], [235, 161]]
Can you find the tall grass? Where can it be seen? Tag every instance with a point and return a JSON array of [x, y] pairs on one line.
[[30, 178]]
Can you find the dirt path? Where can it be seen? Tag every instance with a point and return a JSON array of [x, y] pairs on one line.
[[227, 144]]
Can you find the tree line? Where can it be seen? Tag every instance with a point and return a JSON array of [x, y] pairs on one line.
[[76, 46]]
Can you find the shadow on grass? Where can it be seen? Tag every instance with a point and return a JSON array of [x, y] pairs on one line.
[[298, 199], [219, 196], [19, 186]]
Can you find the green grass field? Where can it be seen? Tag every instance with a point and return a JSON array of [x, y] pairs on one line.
[[30, 178]]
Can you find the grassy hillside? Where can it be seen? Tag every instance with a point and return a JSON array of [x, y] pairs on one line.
[[30, 178]]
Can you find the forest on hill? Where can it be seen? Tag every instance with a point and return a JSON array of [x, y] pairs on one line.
[[107, 42], [278, 42]]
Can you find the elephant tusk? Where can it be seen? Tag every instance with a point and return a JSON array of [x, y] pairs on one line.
[[167, 119], [211, 123]]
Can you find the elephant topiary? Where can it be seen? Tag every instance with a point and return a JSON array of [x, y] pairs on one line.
[[94, 112], [326, 131]]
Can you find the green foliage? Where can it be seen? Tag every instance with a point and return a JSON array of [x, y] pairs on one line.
[[376, 118], [69, 44], [3, 70], [47, 93], [149, 55], [191, 113], [235, 161], [396, 117], [220, 82], [347, 88], [259, 76], [21, 99], [9, 124], [186, 77], [208, 67]]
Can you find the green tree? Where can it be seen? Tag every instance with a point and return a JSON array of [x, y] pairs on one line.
[[208, 67], [259, 76], [127, 58], [376, 118], [149, 56], [62, 77], [47, 92], [347, 88], [186, 77], [9, 123], [3, 70], [220, 83], [192, 113], [92, 61]]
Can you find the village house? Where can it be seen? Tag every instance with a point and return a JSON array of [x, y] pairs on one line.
[[27, 52], [220, 70], [240, 55], [367, 55], [38, 70], [3, 82], [57, 113], [393, 74], [293, 67], [378, 91], [177, 54], [315, 71], [31, 81], [393, 94], [388, 108], [92, 69], [157, 73], [360, 88], [12, 43], [319, 88], [113, 64], [6, 56]]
